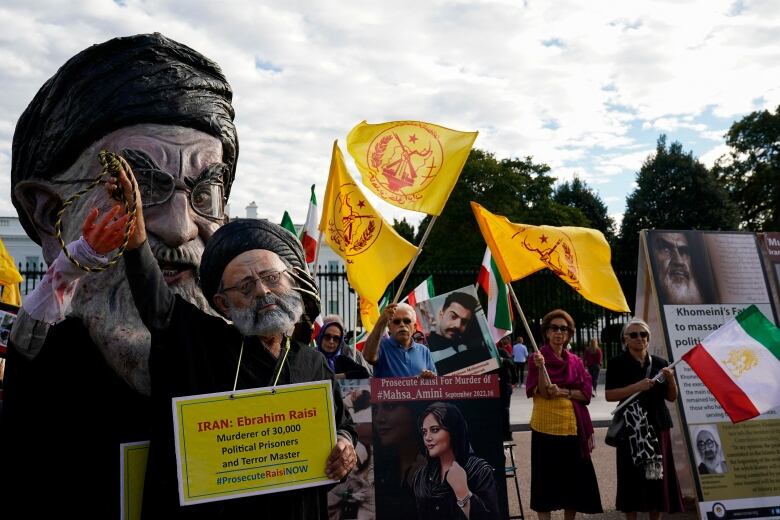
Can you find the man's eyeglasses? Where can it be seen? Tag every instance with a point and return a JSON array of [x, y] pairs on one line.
[[331, 337], [405, 321], [559, 328], [708, 444], [247, 285], [643, 334]]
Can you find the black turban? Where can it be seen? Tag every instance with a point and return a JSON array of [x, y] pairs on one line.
[[146, 78], [247, 234]]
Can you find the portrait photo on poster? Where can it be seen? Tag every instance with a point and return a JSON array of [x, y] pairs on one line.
[[681, 266], [416, 442], [457, 334], [7, 318], [709, 450]]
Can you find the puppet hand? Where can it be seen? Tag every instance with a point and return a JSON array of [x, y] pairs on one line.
[[129, 190], [107, 234]]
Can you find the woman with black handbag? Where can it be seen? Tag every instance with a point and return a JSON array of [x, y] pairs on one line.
[[646, 478]]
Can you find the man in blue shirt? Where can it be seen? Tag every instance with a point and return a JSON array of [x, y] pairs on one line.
[[520, 354], [397, 355]]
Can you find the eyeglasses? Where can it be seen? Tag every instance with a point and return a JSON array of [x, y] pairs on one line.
[[559, 328], [643, 334], [206, 195], [247, 285], [331, 337], [405, 321], [708, 444]]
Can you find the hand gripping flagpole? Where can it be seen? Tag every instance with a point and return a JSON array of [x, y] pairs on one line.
[[399, 292], [659, 377], [528, 330]]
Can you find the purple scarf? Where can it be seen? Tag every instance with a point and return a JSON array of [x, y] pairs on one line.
[[567, 372], [330, 357]]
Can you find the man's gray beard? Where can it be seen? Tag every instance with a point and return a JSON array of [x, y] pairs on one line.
[[105, 305], [250, 321], [682, 293]]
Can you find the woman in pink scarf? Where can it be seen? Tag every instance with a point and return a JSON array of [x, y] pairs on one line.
[[562, 474]]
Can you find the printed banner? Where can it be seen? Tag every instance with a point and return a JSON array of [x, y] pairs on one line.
[[419, 427], [457, 333], [702, 279], [252, 442]]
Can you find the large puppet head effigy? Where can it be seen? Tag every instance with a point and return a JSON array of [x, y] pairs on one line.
[[167, 109]]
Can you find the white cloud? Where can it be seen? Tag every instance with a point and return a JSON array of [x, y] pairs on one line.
[[565, 82]]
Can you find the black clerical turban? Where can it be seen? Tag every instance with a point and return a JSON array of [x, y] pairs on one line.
[[247, 234], [146, 78]]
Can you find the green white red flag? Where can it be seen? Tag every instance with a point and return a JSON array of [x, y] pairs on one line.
[[422, 292], [740, 364], [499, 311], [310, 233]]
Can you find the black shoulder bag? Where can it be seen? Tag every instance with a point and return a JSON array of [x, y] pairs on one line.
[[617, 429]]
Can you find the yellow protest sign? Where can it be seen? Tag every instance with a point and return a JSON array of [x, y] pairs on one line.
[[132, 464], [253, 442]]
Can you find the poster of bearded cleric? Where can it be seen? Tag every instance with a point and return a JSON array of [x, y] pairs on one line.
[[701, 280], [457, 333], [437, 448]]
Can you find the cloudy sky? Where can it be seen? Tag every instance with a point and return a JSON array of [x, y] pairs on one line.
[[585, 87]]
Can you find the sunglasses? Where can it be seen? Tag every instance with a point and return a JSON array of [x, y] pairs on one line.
[[559, 328], [634, 335], [405, 321], [331, 337]]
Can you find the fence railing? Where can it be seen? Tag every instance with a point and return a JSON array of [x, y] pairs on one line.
[[538, 294]]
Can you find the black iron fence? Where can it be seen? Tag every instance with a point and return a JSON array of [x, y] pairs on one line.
[[538, 294]]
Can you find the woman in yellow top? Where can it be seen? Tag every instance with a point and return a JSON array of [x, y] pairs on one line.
[[562, 474]]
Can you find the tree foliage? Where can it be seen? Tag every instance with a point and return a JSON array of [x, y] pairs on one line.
[[579, 195], [751, 170], [403, 228], [674, 191]]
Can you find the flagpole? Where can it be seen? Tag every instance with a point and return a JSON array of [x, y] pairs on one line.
[[317, 252], [354, 323], [657, 378], [528, 330], [414, 259]]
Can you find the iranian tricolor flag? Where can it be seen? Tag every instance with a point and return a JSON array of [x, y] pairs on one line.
[[310, 233], [422, 292], [318, 323], [499, 311], [740, 364]]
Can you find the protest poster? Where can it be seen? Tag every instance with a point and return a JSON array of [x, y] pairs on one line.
[[7, 318], [689, 284], [457, 333], [252, 442], [418, 424], [353, 498]]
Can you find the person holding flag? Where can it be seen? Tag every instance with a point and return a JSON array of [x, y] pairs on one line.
[[646, 478]]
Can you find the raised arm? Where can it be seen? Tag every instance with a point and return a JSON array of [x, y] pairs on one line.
[[371, 348], [153, 298]]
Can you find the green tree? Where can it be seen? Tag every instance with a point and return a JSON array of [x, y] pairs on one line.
[[403, 228], [579, 195], [674, 191], [751, 170]]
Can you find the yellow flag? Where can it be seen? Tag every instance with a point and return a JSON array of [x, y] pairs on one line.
[[579, 256], [369, 313], [373, 251], [410, 164], [9, 278]]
